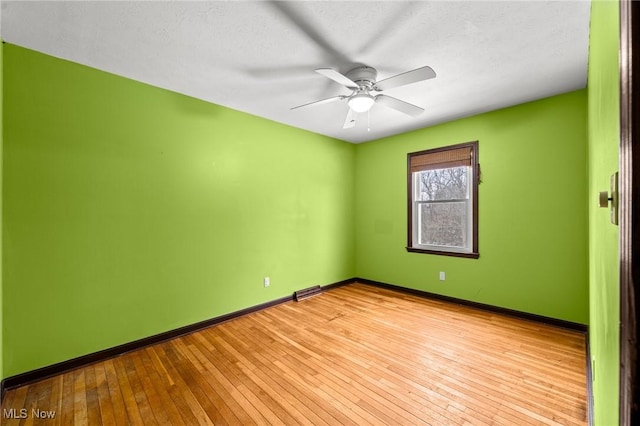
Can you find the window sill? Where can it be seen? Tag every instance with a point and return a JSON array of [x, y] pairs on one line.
[[444, 253]]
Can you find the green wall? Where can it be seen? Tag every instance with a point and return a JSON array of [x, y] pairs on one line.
[[1, 246], [603, 236], [532, 216], [131, 210]]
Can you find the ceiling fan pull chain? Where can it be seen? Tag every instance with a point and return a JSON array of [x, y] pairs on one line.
[[369, 121]]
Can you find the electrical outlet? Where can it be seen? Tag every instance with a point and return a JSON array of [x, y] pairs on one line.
[[267, 281], [442, 277]]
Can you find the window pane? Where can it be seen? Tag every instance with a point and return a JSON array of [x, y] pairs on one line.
[[444, 184], [443, 224]]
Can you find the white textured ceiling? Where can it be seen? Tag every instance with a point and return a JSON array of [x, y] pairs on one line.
[[260, 57]]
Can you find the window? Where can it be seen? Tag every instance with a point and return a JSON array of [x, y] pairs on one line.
[[443, 200]]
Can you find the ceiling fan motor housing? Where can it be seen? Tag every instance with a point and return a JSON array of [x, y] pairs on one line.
[[363, 76]]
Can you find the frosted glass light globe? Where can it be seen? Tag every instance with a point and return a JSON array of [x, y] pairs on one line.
[[361, 102]]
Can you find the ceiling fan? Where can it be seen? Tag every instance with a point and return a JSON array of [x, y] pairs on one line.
[[362, 82]]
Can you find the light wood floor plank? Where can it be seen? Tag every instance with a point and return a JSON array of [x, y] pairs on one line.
[[94, 416], [207, 396], [107, 404], [268, 371], [131, 406], [178, 389], [115, 392], [354, 355]]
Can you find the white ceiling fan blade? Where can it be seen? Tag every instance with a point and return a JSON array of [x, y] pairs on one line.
[[321, 101], [350, 121], [399, 105], [419, 74], [337, 77], [294, 13]]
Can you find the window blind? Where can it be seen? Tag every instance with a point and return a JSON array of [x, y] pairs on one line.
[[447, 158]]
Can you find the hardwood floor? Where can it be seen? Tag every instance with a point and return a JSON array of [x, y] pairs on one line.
[[355, 355]]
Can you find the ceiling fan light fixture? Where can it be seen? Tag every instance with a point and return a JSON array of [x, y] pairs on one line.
[[361, 102]]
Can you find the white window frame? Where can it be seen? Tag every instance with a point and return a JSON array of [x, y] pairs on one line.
[[417, 222]]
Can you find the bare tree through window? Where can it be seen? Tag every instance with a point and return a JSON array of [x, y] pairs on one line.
[[444, 222]]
